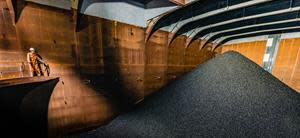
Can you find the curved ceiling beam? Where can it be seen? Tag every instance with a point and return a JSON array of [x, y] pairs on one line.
[[181, 23], [151, 24], [262, 31], [162, 20], [195, 10], [255, 11], [273, 19], [253, 34], [253, 29]]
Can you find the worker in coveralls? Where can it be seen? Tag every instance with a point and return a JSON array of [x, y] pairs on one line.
[[35, 61]]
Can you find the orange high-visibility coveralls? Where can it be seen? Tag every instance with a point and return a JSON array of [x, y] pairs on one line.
[[35, 61]]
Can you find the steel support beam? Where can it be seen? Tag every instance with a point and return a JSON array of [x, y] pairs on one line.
[[253, 34], [176, 27], [262, 21], [294, 23], [195, 7], [238, 15], [15, 9], [76, 8]]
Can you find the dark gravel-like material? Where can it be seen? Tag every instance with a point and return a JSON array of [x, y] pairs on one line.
[[228, 96]]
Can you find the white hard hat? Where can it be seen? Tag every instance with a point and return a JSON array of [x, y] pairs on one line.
[[31, 49]]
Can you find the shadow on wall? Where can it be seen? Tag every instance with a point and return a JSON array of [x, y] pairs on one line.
[[107, 58], [4, 41], [80, 100]]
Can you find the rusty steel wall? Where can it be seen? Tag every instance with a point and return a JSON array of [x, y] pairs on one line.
[[253, 50], [182, 59], [10, 49], [104, 68], [51, 32], [156, 62], [166, 63], [287, 63]]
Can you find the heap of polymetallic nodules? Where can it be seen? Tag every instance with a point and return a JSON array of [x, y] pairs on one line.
[[228, 96]]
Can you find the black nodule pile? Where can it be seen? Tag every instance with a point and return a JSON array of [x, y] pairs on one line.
[[228, 96]]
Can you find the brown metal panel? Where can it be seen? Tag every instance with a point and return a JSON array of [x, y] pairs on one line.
[[166, 63], [191, 54], [197, 56], [50, 31], [11, 65], [286, 67], [123, 47], [156, 62], [176, 51], [253, 50], [176, 58]]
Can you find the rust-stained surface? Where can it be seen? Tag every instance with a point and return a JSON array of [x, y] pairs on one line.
[[253, 50], [166, 63], [156, 62], [10, 49], [198, 56], [104, 68], [287, 63], [176, 59], [51, 32]]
